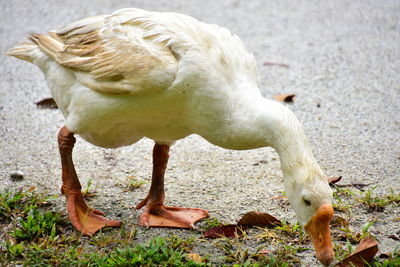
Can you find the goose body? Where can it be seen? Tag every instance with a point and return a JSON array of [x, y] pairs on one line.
[[133, 74], [138, 74]]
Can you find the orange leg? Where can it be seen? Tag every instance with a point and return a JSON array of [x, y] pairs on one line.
[[156, 214], [84, 219]]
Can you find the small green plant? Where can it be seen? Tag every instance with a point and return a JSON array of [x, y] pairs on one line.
[[37, 224], [9, 201], [342, 250], [159, 252], [355, 237], [269, 235], [374, 202], [18, 204], [393, 197], [342, 200], [86, 192], [135, 183], [378, 203], [131, 183], [178, 243], [289, 229], [124, 236], [295, 231], [235, 254], [393, 259], [210, 222], [287, 253], [14, 250]]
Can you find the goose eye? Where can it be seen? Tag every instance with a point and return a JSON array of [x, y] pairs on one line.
[[308, 202]]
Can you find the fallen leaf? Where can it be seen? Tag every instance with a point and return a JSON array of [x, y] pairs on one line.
[[195, 257], [47, 103], [334, 180], [394, 237], [32, 188], [385, 255], [359, 185], [267, 63], [256, 218], [288, 98], [367, 243], [79, 250], [363, 254], [263, 253], [231, 230]]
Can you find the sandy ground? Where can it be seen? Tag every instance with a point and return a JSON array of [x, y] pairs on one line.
[[344, 59]]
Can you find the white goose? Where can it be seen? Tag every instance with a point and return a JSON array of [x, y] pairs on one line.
[[133, 74]]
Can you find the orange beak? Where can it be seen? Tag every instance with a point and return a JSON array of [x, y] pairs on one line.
[[318, 229]]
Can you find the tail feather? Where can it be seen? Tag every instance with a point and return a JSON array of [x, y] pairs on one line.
[[25, 51], [39, 46]]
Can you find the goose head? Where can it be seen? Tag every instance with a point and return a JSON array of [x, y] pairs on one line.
[[310, 197]]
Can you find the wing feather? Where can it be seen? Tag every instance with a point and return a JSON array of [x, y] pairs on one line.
[[110, 57], [141, 52]]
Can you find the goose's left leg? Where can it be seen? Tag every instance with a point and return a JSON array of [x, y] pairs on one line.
[[84, 219], [156, 214]]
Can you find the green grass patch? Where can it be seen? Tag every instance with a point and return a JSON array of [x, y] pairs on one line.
[[33, 234], [38, 224], [17, 204], [158, 252], [344, 199]]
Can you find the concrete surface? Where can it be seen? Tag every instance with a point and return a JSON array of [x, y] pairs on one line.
[[344, 59]]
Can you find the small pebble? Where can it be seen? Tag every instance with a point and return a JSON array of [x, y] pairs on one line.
[[16, 176]]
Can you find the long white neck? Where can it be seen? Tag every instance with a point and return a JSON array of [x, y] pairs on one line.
[[240, 118], [257, 122], [291, 143]]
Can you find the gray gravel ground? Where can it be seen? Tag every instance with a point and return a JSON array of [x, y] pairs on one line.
[[344, 59]]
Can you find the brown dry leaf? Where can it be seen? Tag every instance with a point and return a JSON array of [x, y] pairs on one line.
[[256, 218], [364, 252], [231, 230], [359, 185], [356, 184], [47, 103], [334, 180], [263, 253], [31, 189], [385, 255], [79, 250], [288, 98], [195, 257]]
